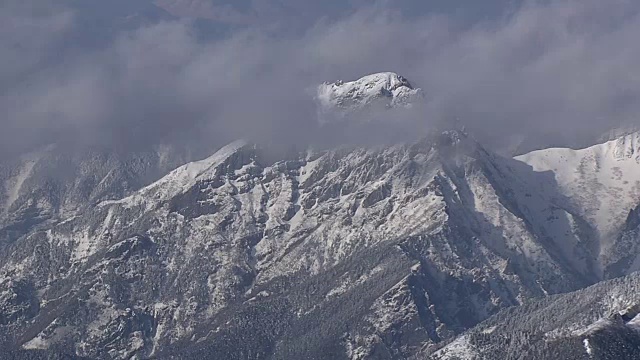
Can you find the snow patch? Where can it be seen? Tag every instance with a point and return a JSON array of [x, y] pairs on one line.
[[458, 349], [14, 185], [587, 346]]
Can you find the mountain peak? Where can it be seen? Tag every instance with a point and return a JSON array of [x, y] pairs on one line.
[[386, 88]]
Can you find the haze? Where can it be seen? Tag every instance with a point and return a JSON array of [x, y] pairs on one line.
[[130, 74]]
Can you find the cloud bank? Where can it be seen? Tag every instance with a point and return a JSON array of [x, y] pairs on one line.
[[552, 73]]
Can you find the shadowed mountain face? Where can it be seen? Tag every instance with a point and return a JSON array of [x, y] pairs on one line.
[[55, 183], [600, 322]]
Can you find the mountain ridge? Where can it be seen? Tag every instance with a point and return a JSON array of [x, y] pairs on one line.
[[351, 252]]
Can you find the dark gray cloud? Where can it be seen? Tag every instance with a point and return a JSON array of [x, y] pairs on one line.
[[557, 72], [292, 14]]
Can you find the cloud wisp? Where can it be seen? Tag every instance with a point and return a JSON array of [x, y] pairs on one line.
[[555, 73]]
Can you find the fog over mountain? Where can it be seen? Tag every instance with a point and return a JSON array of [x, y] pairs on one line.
[[280, 179], [533, 73]]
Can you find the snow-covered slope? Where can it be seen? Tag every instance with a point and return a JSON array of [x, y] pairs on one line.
[[364, 251], [603, 184], [384, 90], [598, 323], [57, 182]]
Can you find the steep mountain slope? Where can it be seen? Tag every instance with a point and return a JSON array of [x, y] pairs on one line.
[[55, 182], [600, 322], [603, 183], [349, 253]]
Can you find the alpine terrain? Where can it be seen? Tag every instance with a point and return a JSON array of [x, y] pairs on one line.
[[350, 252]]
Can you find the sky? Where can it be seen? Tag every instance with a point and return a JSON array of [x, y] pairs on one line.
[[132, 74]]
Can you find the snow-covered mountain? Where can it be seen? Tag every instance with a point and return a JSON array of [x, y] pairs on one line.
[[349, 253], [296, 238], [598, 323], [54, 183], [380, 91], [603, 184]]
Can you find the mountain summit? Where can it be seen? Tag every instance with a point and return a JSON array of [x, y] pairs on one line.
[[386, 89]]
